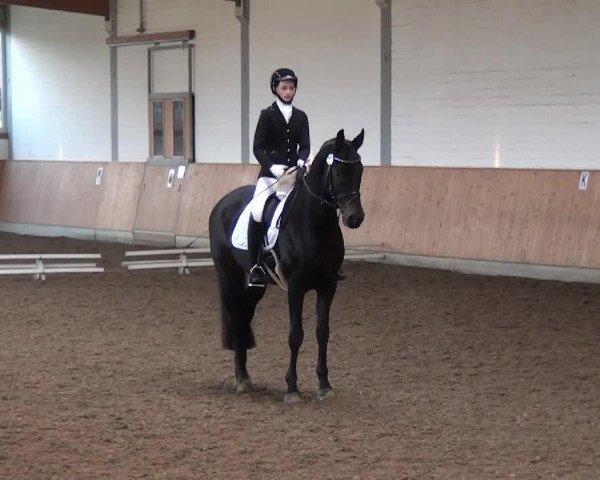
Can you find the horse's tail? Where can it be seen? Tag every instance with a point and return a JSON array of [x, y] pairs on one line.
[[237, 310], [237, 302], [235, 332]]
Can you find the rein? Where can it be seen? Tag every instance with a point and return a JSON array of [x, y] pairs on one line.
[[337, 199]]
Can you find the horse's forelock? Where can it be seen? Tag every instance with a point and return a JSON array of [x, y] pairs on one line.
[[327, 148], [318, 162]]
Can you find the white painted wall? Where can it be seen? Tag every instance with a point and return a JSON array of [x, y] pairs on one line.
[[216, 76], [505, 83], [334, 48], [132, 87], [170, 70], [482, 83], [60, 86]]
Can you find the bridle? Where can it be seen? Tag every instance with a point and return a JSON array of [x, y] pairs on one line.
[[339, 202]]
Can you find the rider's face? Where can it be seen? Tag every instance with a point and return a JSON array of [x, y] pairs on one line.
[[286, 90]]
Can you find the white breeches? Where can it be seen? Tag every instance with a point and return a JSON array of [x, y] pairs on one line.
[[267, 186]]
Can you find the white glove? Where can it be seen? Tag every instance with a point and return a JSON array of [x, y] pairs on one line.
[[278, 170], [301, 163]]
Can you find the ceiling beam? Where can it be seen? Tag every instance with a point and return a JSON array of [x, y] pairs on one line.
[[91, 7]]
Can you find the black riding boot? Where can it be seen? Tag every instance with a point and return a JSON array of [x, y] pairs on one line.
[[257, 276]]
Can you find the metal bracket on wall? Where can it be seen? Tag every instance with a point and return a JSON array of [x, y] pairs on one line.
[[242, 9]]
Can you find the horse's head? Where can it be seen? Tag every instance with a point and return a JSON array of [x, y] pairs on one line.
[[339, 164]]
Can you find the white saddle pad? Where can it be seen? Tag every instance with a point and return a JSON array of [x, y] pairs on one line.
[[239, 237]]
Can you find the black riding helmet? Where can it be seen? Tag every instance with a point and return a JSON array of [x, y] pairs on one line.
[[280, 75]]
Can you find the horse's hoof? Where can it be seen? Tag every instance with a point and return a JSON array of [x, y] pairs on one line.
[[243, 387], [291, 398], [325, 394]]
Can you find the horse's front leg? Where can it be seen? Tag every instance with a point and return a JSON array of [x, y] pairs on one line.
[[324, 299], [296, 336]]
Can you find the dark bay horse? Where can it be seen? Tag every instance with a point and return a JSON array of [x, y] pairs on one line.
[[310, 249]]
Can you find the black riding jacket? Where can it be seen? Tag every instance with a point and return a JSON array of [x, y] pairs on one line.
[[278, 142]]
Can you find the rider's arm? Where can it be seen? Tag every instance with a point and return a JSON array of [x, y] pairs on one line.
[[260, 141], [304, 142]]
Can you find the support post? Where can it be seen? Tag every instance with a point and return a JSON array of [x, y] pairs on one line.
[[114, 84], [242, 13], [386, 81]]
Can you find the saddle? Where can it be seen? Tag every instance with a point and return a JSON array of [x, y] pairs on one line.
[[271, 223]]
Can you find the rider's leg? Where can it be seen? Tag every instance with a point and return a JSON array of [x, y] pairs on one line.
[[257, 276]]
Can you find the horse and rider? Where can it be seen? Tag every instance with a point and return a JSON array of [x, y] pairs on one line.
[[309, 249]]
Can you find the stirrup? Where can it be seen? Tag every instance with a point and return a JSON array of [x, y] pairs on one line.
[[257, 277]]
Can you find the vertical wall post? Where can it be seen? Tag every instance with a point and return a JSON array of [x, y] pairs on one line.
[[114, 84], [7, 79], [386, 81], [242, 13]]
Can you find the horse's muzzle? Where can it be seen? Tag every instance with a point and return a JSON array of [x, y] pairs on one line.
[[354, 216]]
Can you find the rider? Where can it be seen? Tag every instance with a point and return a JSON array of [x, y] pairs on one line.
[[281, 140]]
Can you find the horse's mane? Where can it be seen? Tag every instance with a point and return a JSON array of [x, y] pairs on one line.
[[317, 167], [321, 156]]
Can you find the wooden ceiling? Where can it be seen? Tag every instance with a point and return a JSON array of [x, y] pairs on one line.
[[91, 7]]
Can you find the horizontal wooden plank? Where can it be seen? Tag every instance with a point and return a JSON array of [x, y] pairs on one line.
[[34, 271], [364, 256], [180, 35], [9, 266], [142, 265], [173, 251], [91, 7], [46, 192], [24, 256]]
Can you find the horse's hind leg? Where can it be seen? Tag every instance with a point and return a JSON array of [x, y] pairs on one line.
[[234, 338], [243, 340], [324, 299], [237, 310], [242, 379]]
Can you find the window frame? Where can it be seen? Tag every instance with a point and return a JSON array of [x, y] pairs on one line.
[[167, 100]]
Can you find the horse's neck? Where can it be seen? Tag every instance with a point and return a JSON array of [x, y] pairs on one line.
[[316, 206]]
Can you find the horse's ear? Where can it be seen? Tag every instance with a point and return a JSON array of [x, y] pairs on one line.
[[358, 141], [340, 140]]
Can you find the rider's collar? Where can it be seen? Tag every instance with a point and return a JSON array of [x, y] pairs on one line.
[[285, 109]]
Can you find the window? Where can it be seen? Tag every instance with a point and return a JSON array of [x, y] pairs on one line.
[[171, 102], [158, 129], [171, 126]]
